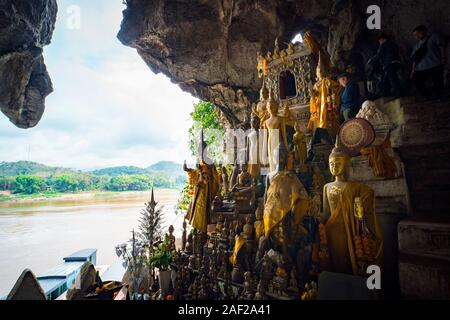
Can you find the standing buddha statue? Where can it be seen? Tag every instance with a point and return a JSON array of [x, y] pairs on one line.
[[300, 150], [340, 226], [324, 106], [275, 132], [253, 148], [205, 190], [261, 108]]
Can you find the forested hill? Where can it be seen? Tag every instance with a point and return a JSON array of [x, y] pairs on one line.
[[34, 168], [27, 167], [167, 167], [30, 178]]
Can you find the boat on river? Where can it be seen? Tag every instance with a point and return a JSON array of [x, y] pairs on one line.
[[58, 279]]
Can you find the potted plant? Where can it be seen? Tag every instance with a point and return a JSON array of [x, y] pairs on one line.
[[161, 258]]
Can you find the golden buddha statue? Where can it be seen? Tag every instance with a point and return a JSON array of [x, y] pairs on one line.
[[340, 223], [275, 130], [247, 229], [259, 223], [300, 150], [205, 190], [243, 191], [324, 106], [261, 108], [285, 195]]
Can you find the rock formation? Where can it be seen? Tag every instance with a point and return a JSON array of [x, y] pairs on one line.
[[209, 47], [26, 288], [85, 279], [25, 28]]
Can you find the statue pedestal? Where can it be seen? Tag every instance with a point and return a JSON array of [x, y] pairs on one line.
[[338, 286]]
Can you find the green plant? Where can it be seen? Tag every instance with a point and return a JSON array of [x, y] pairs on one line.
[[161, 257], [205, 118]]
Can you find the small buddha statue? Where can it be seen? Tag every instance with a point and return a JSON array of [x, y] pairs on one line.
[[266, 273], [310, 292], [228, 293], [219, 224], [259, 223], [171, 247], [260, 292], [248, 292], [247, 230], [225, 180], [339, 222], [189, 244], [281, 277]]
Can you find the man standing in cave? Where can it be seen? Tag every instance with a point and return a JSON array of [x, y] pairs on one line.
[[350, 101], [429, 59], [389, 58]]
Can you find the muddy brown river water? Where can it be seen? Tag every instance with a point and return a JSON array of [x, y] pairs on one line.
[[38, 235]]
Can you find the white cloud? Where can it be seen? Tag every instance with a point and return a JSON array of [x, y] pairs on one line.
[[108, 108]]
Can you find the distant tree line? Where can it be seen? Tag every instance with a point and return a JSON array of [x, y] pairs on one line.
[[77, 182]]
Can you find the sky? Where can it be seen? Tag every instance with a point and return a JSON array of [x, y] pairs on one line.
[[107, 108]]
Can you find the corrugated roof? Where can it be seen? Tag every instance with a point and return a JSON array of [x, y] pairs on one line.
[[80, 255], [48, 285], [63, 269]]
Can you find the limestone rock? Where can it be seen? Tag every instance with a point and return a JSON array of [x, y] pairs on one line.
[[27, 288], [25, 28], [84, 280], [209, 48]]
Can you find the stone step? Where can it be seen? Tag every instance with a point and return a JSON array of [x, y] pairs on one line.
[[428, 237], [424, 277]]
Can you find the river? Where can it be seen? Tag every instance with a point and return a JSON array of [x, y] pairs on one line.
[[38, 235]]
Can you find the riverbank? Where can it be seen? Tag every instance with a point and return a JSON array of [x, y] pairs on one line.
[[88, 195]]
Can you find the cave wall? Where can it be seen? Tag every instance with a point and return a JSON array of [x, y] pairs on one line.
[[209, 47], [25, 28]]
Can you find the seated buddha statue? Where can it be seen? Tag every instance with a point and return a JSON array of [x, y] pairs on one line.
[[243, 191], [340, 223]]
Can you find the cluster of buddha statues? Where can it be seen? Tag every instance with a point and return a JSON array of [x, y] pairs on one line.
[[276, 247], [266, 227]]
